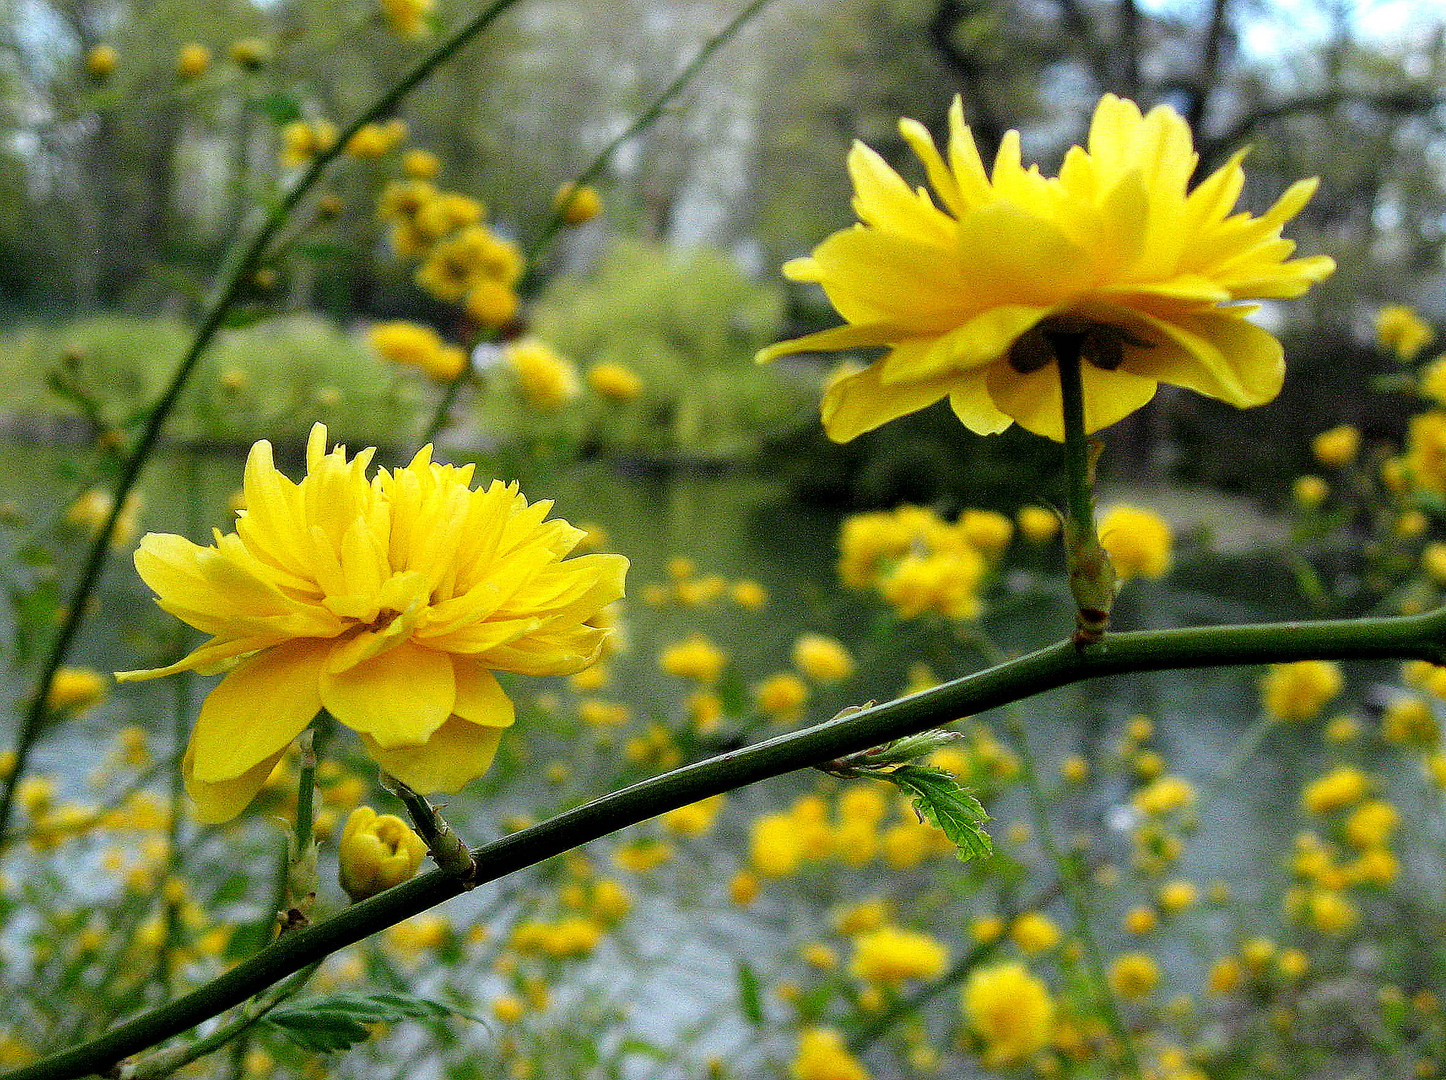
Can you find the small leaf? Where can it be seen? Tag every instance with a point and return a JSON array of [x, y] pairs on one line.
[[336, 1022], [278, 108], [750, 999], [939, 800]]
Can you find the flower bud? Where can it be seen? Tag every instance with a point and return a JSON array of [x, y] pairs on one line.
[[376, 852]]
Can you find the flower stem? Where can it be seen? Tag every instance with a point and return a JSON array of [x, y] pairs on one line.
[[1390, 637], [1091, 577], [301, 876]]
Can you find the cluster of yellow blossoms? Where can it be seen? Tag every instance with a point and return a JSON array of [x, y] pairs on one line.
[[460, 258], [921, 564]]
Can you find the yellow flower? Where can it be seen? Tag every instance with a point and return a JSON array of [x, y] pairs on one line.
[[823, 1055], [1138, 541], [1432, 381], [1409, 721], [1038, 525], [1299, 691], [75, 689], [1177, 895], [1010, 1010], [1337, 447], [93, 507], [192, 61], [1402, 331], [249, 53], [1165, 796], [377, 851], [407, 18], [890, 955], [579, 205], [1034, 932], [373, 141], [389, 602], [101, 61], [421, 164], [781, 696], [1342, 787], [694, 658], [966, 294], [1225, 976], [546, 380], [413, 345], [1372, 823], [695, 819], [614, 382], [1310, 491], [822, 659], [1134, 975]]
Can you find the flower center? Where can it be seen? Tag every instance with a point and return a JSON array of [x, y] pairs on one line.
[[1101, 344]]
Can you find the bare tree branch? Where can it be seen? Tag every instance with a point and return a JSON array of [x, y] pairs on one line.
[[983, 119], [1209, 64]]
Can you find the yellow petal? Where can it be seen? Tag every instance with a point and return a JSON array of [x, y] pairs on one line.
[[858, 403], [220, 802], [456, 753], [1015, 257], [480, 697], [970, 400], [981, 340], [257, 709], [399, 698], [853, 336], [1034, 399], [1219, 355]]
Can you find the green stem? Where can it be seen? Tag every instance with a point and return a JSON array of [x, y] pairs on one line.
[[232, 282], [1394, 637], [1075, 892], [1079, 491]]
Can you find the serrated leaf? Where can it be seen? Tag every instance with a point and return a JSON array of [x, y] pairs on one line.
[[939, 800], [338, 1021], [750, 998]]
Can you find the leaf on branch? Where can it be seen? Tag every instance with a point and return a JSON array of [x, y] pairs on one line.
[[278, 108], [750, 997], [339, 1021], [939, 800]]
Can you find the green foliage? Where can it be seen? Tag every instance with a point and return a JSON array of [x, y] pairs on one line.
[[340, 1021], [272, 379], [687, 322], [939, 800]]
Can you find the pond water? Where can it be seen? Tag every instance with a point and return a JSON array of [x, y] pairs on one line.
[[744, 526]]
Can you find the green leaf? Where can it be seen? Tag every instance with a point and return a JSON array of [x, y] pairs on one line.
[[338, 1021], [750, 999], [939, 800], [278, 108]]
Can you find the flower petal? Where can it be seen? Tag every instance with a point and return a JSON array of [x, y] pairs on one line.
[[221, 801], [1220, 355], [1035, 403], [399, 698], [456, 753], [257, 709], [858, 403], [480, 697]]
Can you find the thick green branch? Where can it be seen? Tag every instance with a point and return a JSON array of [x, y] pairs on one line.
[[1402, 637]]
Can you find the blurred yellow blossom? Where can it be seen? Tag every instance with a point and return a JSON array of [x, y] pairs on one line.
[[407, 18], [823, 1055], [546, 380], [249, 53], [579, 205], [1134, 975], [1034, 932], [192, 61], [101, 61], [1010, 1011], [376, 599], [1138, 541], [410, 344], [1402, 331], [1343, 786], [1299, 691], [822, 659], [1310, 491], [1338, 447], [695, 658], [76, 689], [890, 956], [781, 696], [1036, 524], [614, 382]]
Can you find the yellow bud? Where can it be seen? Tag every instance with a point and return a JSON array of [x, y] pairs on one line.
[[377, 852], [579, 205]]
